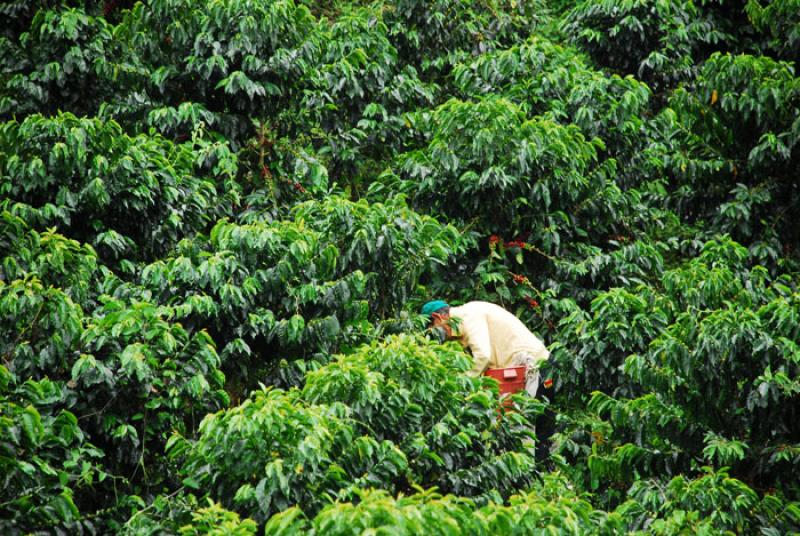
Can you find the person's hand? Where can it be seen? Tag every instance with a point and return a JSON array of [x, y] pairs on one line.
[[437, 333]]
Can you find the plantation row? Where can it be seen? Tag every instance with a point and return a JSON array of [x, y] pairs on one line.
[[220, 219]]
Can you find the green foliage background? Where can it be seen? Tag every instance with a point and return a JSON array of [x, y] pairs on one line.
[[218, 219]]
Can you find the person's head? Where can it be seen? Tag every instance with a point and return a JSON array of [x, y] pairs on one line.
[[438, 313]]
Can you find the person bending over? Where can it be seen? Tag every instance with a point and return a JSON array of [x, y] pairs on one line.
[[495, 337]]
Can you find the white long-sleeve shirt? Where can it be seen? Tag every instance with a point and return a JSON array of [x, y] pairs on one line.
[[494, 335]]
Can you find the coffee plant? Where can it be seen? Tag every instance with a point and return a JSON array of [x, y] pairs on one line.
[[654, 40], [444, 432], [219, 220]]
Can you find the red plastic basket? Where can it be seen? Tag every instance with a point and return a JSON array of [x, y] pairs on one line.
[[511, 379]]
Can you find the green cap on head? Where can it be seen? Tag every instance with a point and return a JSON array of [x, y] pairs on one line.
[[432, 306]]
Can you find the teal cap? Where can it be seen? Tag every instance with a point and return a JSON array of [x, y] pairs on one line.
[[433, 306]]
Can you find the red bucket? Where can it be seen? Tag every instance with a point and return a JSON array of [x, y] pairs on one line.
[[511, 379]]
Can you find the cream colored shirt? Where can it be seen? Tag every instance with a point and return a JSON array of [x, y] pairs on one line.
[[494, 335]]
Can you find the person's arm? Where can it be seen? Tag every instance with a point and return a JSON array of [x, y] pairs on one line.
[[476, 333]]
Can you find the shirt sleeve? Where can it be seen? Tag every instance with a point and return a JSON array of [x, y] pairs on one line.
[[476, 335]]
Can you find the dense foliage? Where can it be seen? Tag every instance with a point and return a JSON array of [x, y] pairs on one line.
[[218, 220]]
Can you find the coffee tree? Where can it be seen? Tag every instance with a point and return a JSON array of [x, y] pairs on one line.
[[67, 59], [743, 129], [675, 406], [309, 455], [234, 58], [359, 92], [485, 155], [48, 464], [544, 77], [219, 220], [129, 197], [655, 40], [405, 393]]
